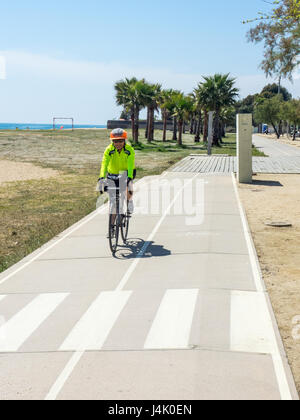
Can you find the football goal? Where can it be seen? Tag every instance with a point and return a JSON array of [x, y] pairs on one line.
[[57, 119]]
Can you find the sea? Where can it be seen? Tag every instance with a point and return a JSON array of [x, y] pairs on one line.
[[18, 126]]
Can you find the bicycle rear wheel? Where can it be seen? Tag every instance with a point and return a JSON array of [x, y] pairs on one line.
[[113, 229]]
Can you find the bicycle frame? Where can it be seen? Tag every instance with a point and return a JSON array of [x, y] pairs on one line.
[[118, 219]]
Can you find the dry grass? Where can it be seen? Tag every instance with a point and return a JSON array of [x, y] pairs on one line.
[[33, 212]]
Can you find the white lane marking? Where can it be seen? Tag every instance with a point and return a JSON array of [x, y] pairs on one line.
[[133, 266], [19, 328], [94, 327], [251, 249], [90, 333], [64, 376], [2, 297], [250, 323], [172, 325], [282, 380]]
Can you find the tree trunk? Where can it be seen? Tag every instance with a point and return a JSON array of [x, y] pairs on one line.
[[198, 130], [184, 127], [175, 128], [276, 131], [136, 124], [147, 123], [295, 132], [201, 127], [221, 132], [165, 126], [132, 124], [280, 130], [192, 126], [180, 129], [151, 125], [216, 135], [205, 128]]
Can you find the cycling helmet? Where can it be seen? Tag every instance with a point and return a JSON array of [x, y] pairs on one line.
[[118, 134]]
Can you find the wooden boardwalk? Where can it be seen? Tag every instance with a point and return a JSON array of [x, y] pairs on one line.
[[222, 164]]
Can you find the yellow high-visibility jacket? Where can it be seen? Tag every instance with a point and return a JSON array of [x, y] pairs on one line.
[[114, 162]]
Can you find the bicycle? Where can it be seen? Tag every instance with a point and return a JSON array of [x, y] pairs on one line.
[[118, 219]]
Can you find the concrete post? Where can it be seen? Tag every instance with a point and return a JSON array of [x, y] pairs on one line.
[[244, 148]]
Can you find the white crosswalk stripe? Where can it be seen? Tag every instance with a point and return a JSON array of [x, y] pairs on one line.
[[19, 328], [169, 326], [172, 325], [250, 324], [94, 327]]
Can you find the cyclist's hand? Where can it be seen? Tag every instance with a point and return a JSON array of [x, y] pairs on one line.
[[100, 185], [129, 180]]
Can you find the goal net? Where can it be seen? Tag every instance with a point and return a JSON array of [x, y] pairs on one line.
[[58, 122]]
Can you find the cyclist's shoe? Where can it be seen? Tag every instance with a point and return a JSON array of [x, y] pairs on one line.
[[130, 207]]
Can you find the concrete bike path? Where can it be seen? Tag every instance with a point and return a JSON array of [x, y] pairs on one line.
[[180, 313]]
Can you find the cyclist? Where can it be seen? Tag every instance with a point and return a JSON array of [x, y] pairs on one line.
[[119, 158]]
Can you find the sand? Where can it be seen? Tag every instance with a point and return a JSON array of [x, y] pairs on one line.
[[277, 198], [17, 171]]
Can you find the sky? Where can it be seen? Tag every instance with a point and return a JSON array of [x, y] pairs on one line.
[[62, 58]]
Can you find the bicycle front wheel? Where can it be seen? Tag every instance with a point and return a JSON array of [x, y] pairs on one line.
[[125, 228], [113, 229]]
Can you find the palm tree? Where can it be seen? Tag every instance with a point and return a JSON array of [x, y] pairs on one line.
[[183, 106], [202, 98], [123, 88], [167, 107], [220, 92], [133, 95], [165, 98], [196, 115], [152, 99], [193, 115]]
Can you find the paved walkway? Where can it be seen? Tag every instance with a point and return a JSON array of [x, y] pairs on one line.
[[227, 165], [275, 149], [180, 313], [282, 159]]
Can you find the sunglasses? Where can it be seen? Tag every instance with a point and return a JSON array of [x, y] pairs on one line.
[[118, 141]]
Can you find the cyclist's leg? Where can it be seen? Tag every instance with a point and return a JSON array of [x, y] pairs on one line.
[[112, 185], [130, 193]]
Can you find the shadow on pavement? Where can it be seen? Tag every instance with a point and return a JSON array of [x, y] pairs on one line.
[[134, 246], [267, 183]]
